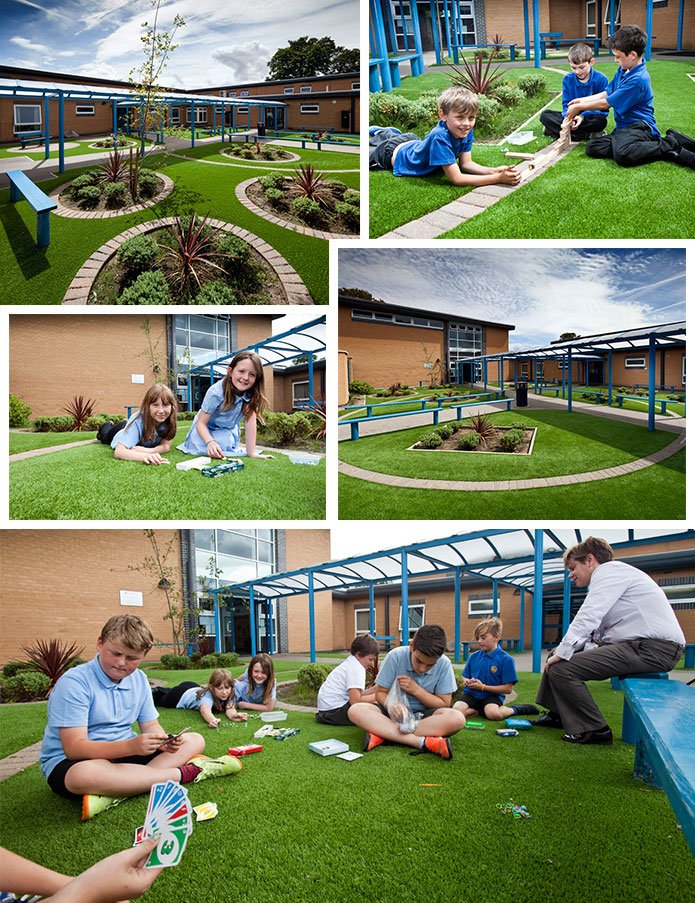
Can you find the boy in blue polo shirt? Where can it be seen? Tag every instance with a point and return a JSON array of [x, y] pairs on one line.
[[426, 676], [489, 676], [582, 81], [90, 751], [447, 146], [636, 139]]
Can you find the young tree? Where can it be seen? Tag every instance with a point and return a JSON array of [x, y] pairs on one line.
[[434, 365], [306, 57]]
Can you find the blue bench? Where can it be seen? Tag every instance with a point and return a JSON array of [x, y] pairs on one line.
[[21, 185], [511, 645], [689, 660], [663, 712], [25, 137], [465, 47], [549, 36], [597, 395], [386, 641], [557, 41], [662, 402], [629, 727], [415, 67]]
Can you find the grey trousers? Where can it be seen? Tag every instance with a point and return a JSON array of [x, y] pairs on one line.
[[563, 689]]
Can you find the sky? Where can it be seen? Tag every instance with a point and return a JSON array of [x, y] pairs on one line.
[[541, 292], [223, 41]]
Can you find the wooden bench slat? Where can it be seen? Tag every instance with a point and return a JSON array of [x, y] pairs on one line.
[[34, 196]]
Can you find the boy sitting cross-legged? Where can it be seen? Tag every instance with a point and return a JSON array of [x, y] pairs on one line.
[[489, 675], [90, 751], [581, 82], [426, 676], [447, 146]]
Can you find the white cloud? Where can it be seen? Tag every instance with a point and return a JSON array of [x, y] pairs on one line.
[[46, 52], [245, 62]]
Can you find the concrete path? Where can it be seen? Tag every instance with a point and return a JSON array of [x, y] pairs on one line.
[[35, 452]]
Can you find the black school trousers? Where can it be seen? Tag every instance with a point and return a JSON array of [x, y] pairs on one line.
[[632, 146]]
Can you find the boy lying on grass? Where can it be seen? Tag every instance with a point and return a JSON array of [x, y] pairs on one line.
[[447, 146]]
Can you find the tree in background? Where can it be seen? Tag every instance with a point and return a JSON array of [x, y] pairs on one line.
[[306, 57]]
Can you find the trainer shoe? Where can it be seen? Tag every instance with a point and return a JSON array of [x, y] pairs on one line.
[[214, 768], [550, 719], [603, 737], [683, 140], [370, 741], [375, 129], [525, 709], [93, 804], [103, 429], [440, 746]]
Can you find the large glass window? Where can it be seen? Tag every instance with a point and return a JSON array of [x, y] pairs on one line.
[[416, 618], [465, 341], [206, 337], [27, 117]]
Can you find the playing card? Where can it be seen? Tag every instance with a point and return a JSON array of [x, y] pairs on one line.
[[205, 811], [169, 850], [169, 815]]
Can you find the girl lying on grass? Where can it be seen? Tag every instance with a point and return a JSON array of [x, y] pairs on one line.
[[256, 689], [216, 696], [147, 435], [216, 429]]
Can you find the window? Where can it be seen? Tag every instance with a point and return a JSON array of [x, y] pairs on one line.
[[659, 4], [416, 618], [680, 591], [288, 91], [616, 14], [218, 107], [635, 362], [361, 621], [355, 86], [244, 94], [479, 605], [223, 93], [524, 371], [398, 319], [305, 89], [201, 115], [242, 109], [175, 115], [84, 109], [27, 117], [309, 108], [205, 337], [232, 94], [465, 341], [300, 392]]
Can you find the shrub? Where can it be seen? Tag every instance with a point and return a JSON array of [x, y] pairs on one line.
[[186, 415], [338, 186], [246, 153], [174, 662], [430, 440], [20, 412], [208, 661], [360, 387], [531, 83], [419, 115], [272, 180], [446, 430], [227, 659], [114, 193], [511, 439], [275, 195], [310, 677], [509, 95], [87, 178], [477, 77], [53, 424], [93, 423], [80, 409], [137, 254], [469, 441], [352, 197], [148, 184], [288, 427], [12, 668], [306, 209], [149, 288], [239, 252], [217, 292], [267, 153], [518, 425], [488, 108], [25, 687], [52, 657], [349, 214], [89, 196], [483, 425]]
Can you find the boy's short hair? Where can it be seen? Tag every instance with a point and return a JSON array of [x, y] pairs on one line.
[[580, 53], [430, 639], [459, 99], [489, 625], [599, 548], [628, 38], [364, 645], [131, 631]]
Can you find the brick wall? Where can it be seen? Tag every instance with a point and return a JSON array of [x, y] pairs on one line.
[[100, 123], [343, 381], [507, 19], [664, 22]]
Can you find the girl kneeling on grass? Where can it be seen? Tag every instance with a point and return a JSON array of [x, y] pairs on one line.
[[147, 435], [216, 430], [216, 696], [256, 689]]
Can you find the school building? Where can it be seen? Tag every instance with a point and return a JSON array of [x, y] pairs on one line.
[[383, 343], [113, 359]]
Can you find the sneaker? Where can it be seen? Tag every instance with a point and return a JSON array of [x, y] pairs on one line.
[[370, 741], [550, 719], [440, 746], [103, 429], [375, 129], [214, 768], [683, 140], [94, 804], [525, 709], [604, 737]]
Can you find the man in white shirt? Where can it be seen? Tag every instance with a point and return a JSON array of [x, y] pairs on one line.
[[624, 626]]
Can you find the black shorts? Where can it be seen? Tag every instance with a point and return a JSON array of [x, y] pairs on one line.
[[56, 779], [479, 704], [335, 716], [382, 147]]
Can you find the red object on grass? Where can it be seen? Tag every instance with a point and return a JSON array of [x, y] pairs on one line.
[[245, 750]]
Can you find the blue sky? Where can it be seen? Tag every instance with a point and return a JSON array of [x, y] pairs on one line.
[[542, 292], [224, 41]]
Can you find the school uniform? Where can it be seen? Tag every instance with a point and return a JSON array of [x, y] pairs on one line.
[[439, 680], [333, 699], [129, 434], [418, 157], [242, 693], [224, 426], [182, 696], [491, 669], [573, 89]]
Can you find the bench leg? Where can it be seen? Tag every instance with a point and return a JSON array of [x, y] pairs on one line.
[[354, 431], [512, 54], [643, 770], [14, 193], [689, 661], [630, 729], [43, 229]]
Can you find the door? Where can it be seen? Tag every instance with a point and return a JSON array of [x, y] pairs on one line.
[[591, 18], [402, 25], [345, 121]]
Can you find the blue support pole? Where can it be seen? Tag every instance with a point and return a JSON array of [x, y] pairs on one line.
[[46, 125], [115, 124], [537, 605], [405, 633], [522, 614], [652, 379], [495, 599], [252, 619], [566, 590], [536, 36], [527, 46], [405, 30], [485, 374], [679, 45], [218, 626], [223, 117], [535, 374], [61, 132], [372, 613], [420, 63], [457, 614], [189, 391], [500, 374], [448, 33], [515, 374], [269, 626], [193, 129], [612, 25], [312, 627], [648, 29], [232, 636], [568, 367], [311, 378], [610, 376], [435, 32]]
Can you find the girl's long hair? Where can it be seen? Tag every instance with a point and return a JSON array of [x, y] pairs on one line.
[[266, 662], [257, 402], [149, 425], [220, 677]]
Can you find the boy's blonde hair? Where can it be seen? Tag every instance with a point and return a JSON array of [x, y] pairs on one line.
[[458, 99], [489, 625], [130, 631], [580, 53]]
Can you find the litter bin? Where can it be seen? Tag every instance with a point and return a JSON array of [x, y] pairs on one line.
[[522, 395], [261, 130]]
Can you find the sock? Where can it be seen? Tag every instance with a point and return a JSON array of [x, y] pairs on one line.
[[189, 773], [421, 744]]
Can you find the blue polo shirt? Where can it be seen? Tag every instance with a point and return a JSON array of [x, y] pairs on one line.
[[255, 695], [492, 669], [86, 697], [572, 89], [632, 99], [439, 679], [439, 148]]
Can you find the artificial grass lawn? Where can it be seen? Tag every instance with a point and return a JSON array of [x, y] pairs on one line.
[[332, 162], [643, 406], [295, 826], [89, 483], [21, 725], [21, 442], [37, 153], [42, 276], [577, 197]]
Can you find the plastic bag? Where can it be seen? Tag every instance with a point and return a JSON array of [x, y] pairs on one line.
[[397, 699]]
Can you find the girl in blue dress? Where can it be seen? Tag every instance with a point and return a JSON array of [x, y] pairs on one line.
[[147, 435], [216, 696], [255, 690], [216, 430]]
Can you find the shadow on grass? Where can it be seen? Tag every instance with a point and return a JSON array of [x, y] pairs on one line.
[[22, 241]]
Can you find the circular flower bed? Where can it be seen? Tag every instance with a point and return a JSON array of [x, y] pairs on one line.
[[482, 436], [259, 153], [99, 190], [107, 143]]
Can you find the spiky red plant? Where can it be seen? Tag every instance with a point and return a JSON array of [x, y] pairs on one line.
[[483, 425], [80, 409], [308, 182], [477, 79], [113, 169], [52, 658], [192, 259]]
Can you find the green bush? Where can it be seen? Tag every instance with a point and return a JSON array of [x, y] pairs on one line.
[[310, 677], [174, 662], [488, 108], [518, 425], [360, 387], [246, 153], [208, 661], [20, 412], [338, 186], [445, 430], [149, 288], [227, 659], [349, 214], [25, 686], [267, 153], [287, 427], [93, 423], [352, 197], [272, 180], [186, 415], [12, 668], [148, 184], [419, 115], [306, 209], [114, 193], [238, 248], [62, 424], [511, 439], [89, 196], [531, 83], [275, 195], [83, 181], [217, 292], [430, 440], [509, 95], [469, 441]]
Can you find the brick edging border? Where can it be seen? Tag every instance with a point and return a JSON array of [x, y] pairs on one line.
[[62, 210], [80, 287]]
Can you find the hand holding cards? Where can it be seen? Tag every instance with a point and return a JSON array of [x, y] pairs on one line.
[[171, 737], [169, 816]]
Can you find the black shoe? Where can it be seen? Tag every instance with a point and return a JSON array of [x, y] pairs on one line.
[[681, 157], [683, 140], [525, 709], [604, 737], [550, 719], [103, 430]]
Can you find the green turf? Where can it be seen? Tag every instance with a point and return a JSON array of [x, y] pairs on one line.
[[20, 726], [575, 198], [36, 153], [398, 407], [323, 160], [294, 826], [21, 442], [628, 405], [88, 482], [41, 276]]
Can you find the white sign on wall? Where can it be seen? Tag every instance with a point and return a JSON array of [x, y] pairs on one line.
[[137, 378], [130, 598]]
